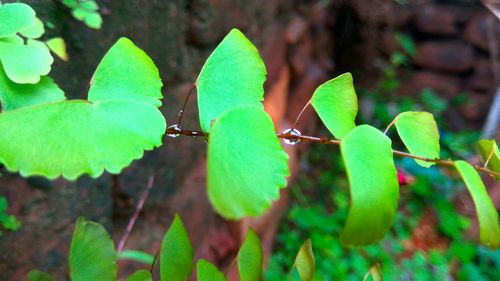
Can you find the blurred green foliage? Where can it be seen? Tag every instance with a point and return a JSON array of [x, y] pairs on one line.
[[7, 222]]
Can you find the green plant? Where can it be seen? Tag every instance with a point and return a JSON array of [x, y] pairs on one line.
[[8, 222], [246, 164], [86, 11]]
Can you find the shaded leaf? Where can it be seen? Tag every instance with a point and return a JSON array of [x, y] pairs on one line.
[[93, 20], [233, 75], [118, 122], [25, 63], [35, 275], [206, 271], [337, 104], [246, 164], [250, 258], [14, 96], [58, 47], [176, 256], [488, 149], [489, 229], [15, 17], [304, 262], [140, 275], [374, 189], [419, 132], [92, 254], [138, 256]]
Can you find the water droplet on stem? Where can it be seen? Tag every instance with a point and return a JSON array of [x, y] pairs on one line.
[[291, 140], [175, 128]]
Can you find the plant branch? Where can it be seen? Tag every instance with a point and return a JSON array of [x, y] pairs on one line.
[[181, 113], [134, 217], [439, 162]]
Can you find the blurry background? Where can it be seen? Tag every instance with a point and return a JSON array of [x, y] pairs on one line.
[[438, 56]]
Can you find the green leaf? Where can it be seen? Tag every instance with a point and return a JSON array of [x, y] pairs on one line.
[[489, 230], [419, 132], [304, 262], [89, 5], [375, 273], [367, 155], [15, 17], [35, 31], [246, 163], [135, 255], [250, 258], [118, 122], [35, 275], [80, 13], [176, 256], [14, 96], [337, 104], [488, 149], [140, 275], [233, 75], [92, 254], [208, 272], [25, 63], [93, 20], [58, 47]]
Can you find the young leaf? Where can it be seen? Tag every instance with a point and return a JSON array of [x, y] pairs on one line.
[[58, 47], [337, 104], [93, 20], [140, 275], [206, 271], [233, 75], [176, 256], [488, 149], [14, 96], [375, 273], [250, 258], [118, 122], [138, 256], [35, 31], [25, 64], [367, 155], [246, 164], [419, 132], [15, 17], [92, 254], [35, 275], [304, 262], [489, 230]]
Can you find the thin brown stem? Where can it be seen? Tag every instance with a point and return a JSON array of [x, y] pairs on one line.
[[300, 115], [134, 217], [439, 162], [181, 113]]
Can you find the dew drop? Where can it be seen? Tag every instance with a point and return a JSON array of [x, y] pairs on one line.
[[293, 132], [175, 128]]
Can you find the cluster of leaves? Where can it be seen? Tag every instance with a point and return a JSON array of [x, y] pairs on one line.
[[86, 11], [8, 222], [92, 256]]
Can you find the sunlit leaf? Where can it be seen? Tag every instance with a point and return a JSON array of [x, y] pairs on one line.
[[92, 254], [35, 275], [118, 122], [250, 258], [233, 75], [15, 17], [367, 155], [374, 273], [337, 104], [419, 132], [246, 163], [489, 229], [58, 47], [140, 275], [488, 149], [206, 271], [138, 256], [25, 63], [14, 96], [35, 31], [304, 262], [176, 256]]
